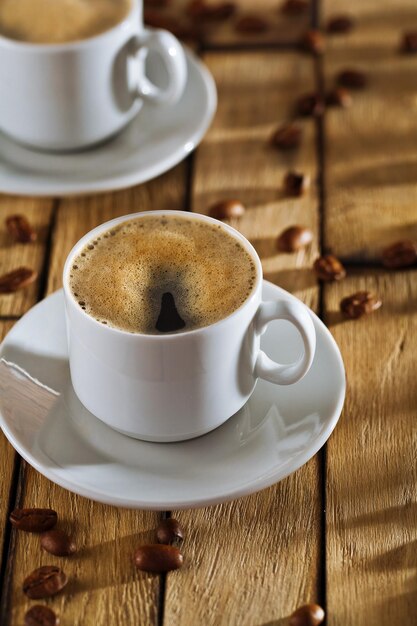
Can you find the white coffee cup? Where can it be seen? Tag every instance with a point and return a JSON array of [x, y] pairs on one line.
[[170, 387], [73, 95]]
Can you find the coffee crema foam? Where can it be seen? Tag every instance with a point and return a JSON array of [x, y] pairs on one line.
[[59, 21], [162, 274]]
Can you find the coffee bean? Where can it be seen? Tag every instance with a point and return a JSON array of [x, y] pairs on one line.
[[17, 279], [294, 238], [400, 254], [200, 10], [40, 615], [167, 22], [340, 24], [339, 97], [287, 137], [170, 532], [311, 104], [409, 43], [158, 558], [20, 229], [359, 304], [352, 78], [329, 268], [44, 582], [57, 542], [251, 24], [33, 520], [227, 209], [312, 41], [295, 184], [307, 615], [295, 7], [158, 4]]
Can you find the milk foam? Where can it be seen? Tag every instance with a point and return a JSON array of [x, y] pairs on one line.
[[120, 277], [59, 21]]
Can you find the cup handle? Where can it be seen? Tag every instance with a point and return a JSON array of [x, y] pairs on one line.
[[173, 56], [297, 314]]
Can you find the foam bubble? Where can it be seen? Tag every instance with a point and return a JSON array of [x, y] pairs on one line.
[[123, 275]]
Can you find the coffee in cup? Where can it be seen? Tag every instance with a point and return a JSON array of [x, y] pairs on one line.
[[171, 386], [162, 273], [59, 21], [76, 70]]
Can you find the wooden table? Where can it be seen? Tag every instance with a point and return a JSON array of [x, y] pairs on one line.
[[342, 531]]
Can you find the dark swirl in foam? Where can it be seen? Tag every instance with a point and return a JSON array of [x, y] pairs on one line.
[[162, 273]]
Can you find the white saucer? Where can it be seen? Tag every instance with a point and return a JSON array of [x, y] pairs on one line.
[[158, 138], [278, 430]]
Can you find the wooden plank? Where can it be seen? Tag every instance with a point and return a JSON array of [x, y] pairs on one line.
[[7, 458], [371, 148], [371, 467], [14, 255], [104, 585], [280, 28], [253, 561]]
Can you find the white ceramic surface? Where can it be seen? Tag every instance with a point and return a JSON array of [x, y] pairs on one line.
[[72, 95], [275, 433], [152, 143], [175, 386]]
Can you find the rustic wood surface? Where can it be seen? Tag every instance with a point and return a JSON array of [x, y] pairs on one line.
[[255, 542], [342, 530], [371, 473]]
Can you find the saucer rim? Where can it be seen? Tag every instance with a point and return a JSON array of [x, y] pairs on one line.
[[125, 181], [258, 484]]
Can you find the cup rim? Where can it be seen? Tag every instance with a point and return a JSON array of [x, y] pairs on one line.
[[168, 336], [43, 48]]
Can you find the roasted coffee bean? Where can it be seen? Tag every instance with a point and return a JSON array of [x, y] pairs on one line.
[[44, 582], [251, 24], [40, 615], [33, 520], [17, 279], [312, 41], [158, 558], [294, 238], [360, 303], [400, 254], [309, 104], [170, 532], [157, 4], [57, 542], [340, 24], [295, 7], [200, 10], [329, 268], [409, 43], [167, 22], [20, 229], [352, 78], [287, 137], [307, 615], [296, 184], [339, 97], [227, 209]]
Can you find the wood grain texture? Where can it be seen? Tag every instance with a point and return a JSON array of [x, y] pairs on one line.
[[104, 586], [371, 149], [253, 561], [14, 255], [371, 464], [7, 456], [281, 28]]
